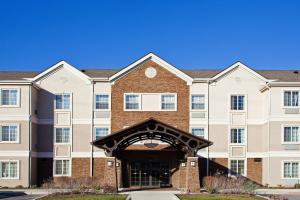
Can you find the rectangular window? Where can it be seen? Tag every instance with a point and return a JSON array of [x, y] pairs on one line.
[[9, 169], [62, 101], [132, 102], [102, 101], [62, 167], [9, 133], [168, 102], [237, 136], [62, 135], [198, 132], [198, 102], [291, 134], [9, 97], [237, 102], [101, 132], [291, 98], [237, 167], [291, 169]]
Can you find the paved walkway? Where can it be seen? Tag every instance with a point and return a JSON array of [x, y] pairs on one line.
[[152, 195]]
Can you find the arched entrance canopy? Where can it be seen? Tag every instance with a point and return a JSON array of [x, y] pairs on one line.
[[155, 130]]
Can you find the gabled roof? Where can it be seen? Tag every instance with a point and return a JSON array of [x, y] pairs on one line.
[[159, 61], [241, 65], [58, 66]]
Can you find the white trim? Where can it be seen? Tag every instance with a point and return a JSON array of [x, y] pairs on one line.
[[175, 106], [54, 167], [198, 110], [70, 135], [282, 98], [213, 154], [109, 101], [87, 154], [159, 61], [282, 170], [236, 65], [18, 105], [59, 65], [200, 126], [14, 153], [289, 126], [245, 136], [139, 101], [100, 126], [70, 103], [18, 170]]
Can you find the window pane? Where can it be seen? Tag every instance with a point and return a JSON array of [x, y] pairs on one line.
[[237, 102], [168, 102], [13, 169], [287, 172], [101, 132], [58, 167], [241, 167], [102, 101], [5, 133], [295, 96], [58, 101], [9, 96], [66, 101], [287, 134], [198, 102], [66, 135], [13, 133], [59, 135], [233, 167], [4, 169], [66, 167], [295, 170], [132, 102], [198, 132]]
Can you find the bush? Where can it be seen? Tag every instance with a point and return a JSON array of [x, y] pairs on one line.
[[225, 184], [297, 185]]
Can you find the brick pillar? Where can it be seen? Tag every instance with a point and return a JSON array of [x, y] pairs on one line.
[[110, 173], [192, 175], [119, 173]]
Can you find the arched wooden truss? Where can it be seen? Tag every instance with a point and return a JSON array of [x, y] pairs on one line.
[[155, 130]]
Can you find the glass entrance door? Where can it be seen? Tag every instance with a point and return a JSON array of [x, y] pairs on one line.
[[154, 174]]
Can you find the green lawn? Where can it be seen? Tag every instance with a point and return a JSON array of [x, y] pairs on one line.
[[217, 197], [86, 197]]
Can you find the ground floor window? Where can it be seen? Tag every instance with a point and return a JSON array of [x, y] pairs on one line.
[[9, 169], [237, 167], [62, 167], [290, 169]]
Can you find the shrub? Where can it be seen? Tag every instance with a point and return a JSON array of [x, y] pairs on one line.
[[19, 187], [297, 185]]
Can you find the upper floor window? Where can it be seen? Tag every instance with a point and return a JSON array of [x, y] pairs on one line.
[[132, 102], [102, 101], [198, 132], [198, 102], [290, 169], [168, 102], [237, 167], [101, 132], [291, 98], [9, 97], [9, 169], [62, 167], [62, 135], [237, 102], [9, 133], [290, 134], [237, 136], [62, 101]]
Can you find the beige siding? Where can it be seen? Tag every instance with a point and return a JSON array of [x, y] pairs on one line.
[[218, 134], [257, 138], [81, 138]]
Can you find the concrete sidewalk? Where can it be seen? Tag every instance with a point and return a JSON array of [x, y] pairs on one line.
[[152, 195]]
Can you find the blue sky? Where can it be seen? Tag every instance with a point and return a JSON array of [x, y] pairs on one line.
[[200, 34]]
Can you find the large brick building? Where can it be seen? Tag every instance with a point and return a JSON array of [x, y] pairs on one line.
[[149, 125]]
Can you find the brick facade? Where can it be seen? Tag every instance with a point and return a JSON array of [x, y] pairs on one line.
[[164, 82], [80, 167], [254, 169]]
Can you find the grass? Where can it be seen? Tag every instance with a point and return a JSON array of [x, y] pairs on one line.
[[218, 197], [85, 197]]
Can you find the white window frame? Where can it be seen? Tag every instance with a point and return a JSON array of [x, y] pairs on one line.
[[282, 169], [62, 175], [194, 127], [139, 101], [109, 102], [70, 135], [245, 136], [18, 133], [191, 102], [101, 127], [245, 167], [18, 98], [282, 99], [244, 106], [175, 102], [71, 101], [282, 133], [18, 170]]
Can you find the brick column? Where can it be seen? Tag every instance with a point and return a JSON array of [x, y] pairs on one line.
[[110, 173], [192, 175]]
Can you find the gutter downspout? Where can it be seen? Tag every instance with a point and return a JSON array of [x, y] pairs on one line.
[[269, 138], [29, 139], [207, 161], [92, 130]]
